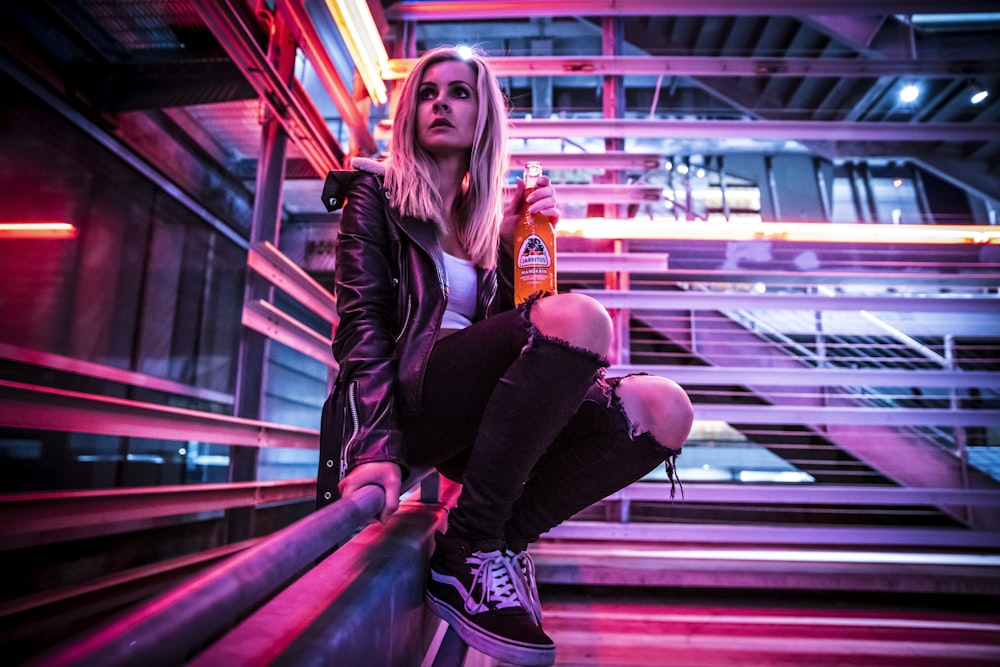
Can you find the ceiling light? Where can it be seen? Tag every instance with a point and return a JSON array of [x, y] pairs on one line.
[[977, 94], [909, 93], [357, 27]]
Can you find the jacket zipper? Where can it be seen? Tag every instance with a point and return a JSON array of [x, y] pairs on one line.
[[352, 406], [406, 318]]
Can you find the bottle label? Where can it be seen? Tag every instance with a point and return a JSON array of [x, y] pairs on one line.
[[533, 253]]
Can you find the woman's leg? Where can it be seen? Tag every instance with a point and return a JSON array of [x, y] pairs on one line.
[[528, 408], [618, 436], [474, 583]]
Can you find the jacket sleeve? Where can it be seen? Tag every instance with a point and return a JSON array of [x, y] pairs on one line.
[[364, 345], [505, 280]]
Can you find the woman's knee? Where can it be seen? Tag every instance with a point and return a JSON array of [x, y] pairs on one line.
[[577, 319], [657, 406]]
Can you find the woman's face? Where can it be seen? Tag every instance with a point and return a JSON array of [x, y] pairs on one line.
[[447, 105]]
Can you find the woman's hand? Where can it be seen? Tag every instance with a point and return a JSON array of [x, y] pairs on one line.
[[385, 474], [542, 200]]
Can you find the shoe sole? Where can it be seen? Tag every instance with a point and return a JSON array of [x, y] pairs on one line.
[[495, 646]]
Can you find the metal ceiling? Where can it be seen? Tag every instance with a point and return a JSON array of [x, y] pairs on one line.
[[707, 78]]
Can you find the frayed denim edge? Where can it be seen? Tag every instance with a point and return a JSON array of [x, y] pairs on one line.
[[670, 460], [534, 332], [607, 388]]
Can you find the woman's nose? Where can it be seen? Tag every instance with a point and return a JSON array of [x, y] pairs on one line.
[[440, 104]]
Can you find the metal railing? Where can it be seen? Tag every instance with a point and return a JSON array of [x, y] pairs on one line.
[[171, 628]]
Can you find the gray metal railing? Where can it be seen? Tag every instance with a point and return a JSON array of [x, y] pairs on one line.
[[172, 627]]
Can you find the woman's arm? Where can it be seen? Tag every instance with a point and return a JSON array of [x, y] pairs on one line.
[[364, 345]]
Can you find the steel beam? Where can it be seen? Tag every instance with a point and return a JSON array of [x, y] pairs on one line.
[[968, 278], [228, 22], [805, 494], [649, 300], [604, 160], [476, 10], [32, 357], [266, 260], [268, 320], [23, 514], [46, 409], [709, 66], [817, 377], [303, 28], [737, 413], [634, 128], [601, 262], [618, 194]]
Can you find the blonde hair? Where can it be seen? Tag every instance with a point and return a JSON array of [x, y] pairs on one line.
[[408, 169]]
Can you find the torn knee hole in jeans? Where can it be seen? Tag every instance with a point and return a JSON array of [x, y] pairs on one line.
[[534, 333], [610, 390]]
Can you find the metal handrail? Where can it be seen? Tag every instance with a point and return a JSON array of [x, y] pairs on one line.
[[168, 629], [270, 263]]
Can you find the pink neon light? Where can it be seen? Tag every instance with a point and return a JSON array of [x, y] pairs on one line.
[[37, 230]]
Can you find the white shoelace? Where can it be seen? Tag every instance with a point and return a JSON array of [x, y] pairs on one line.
[[526, 567], [499, 581]]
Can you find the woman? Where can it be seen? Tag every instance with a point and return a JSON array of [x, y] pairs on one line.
[[437, 367]]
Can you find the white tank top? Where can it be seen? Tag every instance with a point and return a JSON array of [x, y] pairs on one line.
[[462, 285]]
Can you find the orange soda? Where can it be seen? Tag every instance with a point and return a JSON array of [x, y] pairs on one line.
[[534, 246]]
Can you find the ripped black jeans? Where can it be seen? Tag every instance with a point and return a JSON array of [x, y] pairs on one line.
[[517, 488]]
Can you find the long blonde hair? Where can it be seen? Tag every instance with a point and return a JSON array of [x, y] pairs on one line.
[[408, 169]]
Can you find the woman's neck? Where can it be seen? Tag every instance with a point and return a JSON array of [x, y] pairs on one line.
[[450, 174]]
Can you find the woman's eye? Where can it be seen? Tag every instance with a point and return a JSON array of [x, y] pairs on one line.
[[426, 94], [461, 93]]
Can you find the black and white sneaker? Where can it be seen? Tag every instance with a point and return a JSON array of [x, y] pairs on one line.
[[481, 595], [522, 563]]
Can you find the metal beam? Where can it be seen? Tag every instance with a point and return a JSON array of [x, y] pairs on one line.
[[266, 319], [58, 362], [604, 160], [303, 28], [288, 101], [971, 278], [810, 376], [643, 300], [723, 66], [834, 536], [46, 409], [600, 262], [805, 494], [618, 194], [115, 146], [735, 413], [53, 511], [476, 10], [266, 260], [546, 128]]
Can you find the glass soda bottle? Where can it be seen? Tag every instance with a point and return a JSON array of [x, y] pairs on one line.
[[534, 246]]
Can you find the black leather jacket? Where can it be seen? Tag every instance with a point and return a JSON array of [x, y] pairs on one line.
[[391, 292]]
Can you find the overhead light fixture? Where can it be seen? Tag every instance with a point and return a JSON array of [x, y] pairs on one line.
[[603, 228], [357, 27], [909, 93], [977, 93], [37, 230]]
